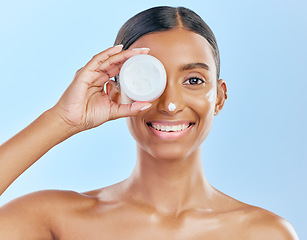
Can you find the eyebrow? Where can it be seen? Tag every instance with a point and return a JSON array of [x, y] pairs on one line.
[[194, 65]]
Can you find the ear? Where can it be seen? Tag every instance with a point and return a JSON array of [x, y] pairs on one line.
[[113, 91], [221, 96]]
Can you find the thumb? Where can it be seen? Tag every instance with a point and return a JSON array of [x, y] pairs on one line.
[[128, 110]]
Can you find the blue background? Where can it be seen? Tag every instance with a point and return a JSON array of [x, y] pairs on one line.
[[256, 151]]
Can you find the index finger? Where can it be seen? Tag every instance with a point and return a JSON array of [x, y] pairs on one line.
[[112, 65], [95, 62]]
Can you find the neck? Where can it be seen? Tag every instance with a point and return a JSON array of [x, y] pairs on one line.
[[170, 186]]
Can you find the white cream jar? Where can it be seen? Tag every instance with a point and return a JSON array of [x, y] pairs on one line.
[[143, 78]]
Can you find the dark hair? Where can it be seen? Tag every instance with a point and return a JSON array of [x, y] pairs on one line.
[[164, 18]]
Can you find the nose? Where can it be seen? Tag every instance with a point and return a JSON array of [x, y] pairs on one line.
[[171, 101]]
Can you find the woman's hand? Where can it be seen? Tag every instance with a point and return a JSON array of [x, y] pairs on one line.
[[85, 104]]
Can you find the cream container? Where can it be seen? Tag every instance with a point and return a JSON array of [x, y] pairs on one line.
[[143, 78]]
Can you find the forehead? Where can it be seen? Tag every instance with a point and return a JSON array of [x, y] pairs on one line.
[[178, 46]]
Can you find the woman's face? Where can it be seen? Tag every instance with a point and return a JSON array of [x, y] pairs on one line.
[[165, 132]]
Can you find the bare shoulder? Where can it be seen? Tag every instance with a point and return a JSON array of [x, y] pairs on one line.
[[43, 200], [32, 216], [262, 224]]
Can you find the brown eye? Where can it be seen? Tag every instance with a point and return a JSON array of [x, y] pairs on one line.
[[194, 81]]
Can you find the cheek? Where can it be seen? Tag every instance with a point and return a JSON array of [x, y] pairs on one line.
[[203, 103], [211, 95], [131, 126], [135, 129], [203, 107]]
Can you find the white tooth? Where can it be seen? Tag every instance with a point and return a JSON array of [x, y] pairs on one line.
[[175, 128]]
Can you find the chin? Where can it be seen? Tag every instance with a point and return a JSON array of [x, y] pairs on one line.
[[168, 152]]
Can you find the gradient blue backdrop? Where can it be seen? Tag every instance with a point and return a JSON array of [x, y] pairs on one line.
[[256, 151]]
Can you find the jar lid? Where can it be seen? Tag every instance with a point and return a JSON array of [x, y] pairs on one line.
[[143, 78]]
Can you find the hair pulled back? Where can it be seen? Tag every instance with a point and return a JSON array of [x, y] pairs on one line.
[[165, 18]]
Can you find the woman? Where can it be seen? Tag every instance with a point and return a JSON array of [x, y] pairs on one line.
[[167, 195]]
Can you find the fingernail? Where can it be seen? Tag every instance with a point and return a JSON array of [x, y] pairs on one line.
[[119, 45], [137, 105], [146, 106], [141, 49]]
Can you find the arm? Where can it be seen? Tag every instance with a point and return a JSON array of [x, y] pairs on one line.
[[83, 105], [25, 148]]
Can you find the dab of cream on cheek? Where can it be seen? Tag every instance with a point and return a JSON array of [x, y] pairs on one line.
[[210, 95]]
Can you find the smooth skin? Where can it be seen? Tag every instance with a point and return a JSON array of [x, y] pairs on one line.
[[167, 195]]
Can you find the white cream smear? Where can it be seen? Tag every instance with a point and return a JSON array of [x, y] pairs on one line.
[[210, 95], [171, 107]]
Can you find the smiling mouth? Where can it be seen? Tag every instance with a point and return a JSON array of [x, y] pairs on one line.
[[170, 128]]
